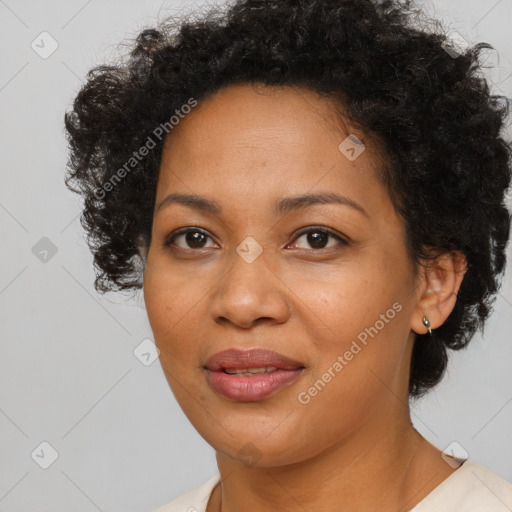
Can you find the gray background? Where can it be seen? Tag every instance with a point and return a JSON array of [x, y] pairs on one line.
[[68, 372]]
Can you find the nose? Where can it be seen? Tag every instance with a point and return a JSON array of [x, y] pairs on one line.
[[250, 293]]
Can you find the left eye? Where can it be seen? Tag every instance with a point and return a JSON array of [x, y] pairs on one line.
[[317, 237]]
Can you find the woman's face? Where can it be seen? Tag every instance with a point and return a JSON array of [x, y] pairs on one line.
[[259, 276]]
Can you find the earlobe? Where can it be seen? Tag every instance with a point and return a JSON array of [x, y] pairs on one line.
[[441, 281]]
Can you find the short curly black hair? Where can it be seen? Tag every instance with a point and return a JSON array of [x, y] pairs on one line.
[[448, 165]]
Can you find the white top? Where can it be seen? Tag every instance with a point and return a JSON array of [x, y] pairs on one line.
[[470, 488]]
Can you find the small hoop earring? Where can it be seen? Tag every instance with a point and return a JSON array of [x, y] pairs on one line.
[[426, 323]]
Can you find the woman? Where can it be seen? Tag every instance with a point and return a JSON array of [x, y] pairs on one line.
[[311, 195]]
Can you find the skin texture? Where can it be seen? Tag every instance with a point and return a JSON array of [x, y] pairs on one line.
[[353, 443]]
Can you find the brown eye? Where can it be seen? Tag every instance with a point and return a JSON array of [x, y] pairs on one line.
[[318, 238], [193, 238]]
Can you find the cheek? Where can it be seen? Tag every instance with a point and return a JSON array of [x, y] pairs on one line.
[[356, 369], [171, 304], [170, 300], [338, 302], [357, 320]]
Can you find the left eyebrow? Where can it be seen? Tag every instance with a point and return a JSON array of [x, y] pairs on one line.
[[288, 204], [281, 206]]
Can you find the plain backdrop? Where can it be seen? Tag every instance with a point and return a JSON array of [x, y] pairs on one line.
[[69, 378]]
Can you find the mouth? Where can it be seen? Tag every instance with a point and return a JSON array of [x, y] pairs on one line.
[[250, 375], [249, 371]]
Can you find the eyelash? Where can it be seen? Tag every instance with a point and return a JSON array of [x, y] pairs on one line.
[[169, 242]]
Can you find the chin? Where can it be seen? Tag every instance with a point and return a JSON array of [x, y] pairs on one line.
[[256, 442]]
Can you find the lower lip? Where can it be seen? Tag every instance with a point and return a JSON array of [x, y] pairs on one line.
[[251, 388]]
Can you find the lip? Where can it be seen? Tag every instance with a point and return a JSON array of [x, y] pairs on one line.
[[251, 358], [250, 388]]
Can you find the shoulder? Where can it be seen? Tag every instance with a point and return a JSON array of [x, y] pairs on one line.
[[194, 500], [471, 488]]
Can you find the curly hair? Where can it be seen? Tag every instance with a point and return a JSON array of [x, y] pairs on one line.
[[448, 166]]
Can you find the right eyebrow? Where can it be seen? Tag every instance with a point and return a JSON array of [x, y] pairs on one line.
[[192, 201]]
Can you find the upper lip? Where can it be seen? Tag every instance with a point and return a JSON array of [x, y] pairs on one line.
[[253, 358]]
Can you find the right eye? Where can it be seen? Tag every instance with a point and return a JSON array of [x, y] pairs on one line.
[[193, 237]]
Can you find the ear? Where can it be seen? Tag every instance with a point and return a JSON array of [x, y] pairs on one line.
[[440, 280]]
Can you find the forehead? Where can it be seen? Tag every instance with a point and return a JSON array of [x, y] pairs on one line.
[[260, 125], [248, 115], [250, 139]]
